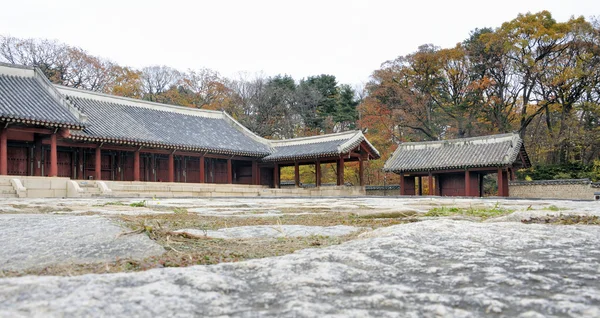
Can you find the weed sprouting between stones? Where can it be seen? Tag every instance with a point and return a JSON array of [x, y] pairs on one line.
[[483, 213]]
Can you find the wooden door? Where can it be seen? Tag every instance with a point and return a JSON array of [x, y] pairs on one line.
[[192, 170], [18, 161], [452, 185]]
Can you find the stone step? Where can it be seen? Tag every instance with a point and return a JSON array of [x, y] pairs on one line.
[[8, 192], [6, 187], [8, 195]]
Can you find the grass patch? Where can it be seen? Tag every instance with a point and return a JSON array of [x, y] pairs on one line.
[[140, 204], [484, 213], [388, 215], [553, 208], [564, 220], [111, 203]]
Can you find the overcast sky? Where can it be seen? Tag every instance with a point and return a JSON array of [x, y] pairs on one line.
[[348, 39]]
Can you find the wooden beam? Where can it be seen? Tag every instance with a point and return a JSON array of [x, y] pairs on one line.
[[42, 131], [3, 152]]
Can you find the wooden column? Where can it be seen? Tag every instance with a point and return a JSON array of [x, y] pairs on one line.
[[53, 171], [430, 184], [80, 163], [361, 172], [420, 179], [276, 176], [202, 173], [171, 163], [254, 172], [3, 152], [340, 171], [297, 174], [402, 187], [468, 183], [229, 172], [500, 183], [318, 173], [258, 181], [136, 165], [98, 164], [37, 156]]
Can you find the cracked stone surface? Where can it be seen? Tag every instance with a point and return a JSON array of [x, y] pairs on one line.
[[274, 231], [426, 269], [40, 240]]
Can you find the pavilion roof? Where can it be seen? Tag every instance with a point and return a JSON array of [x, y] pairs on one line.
[[319, 146], [485, 151]]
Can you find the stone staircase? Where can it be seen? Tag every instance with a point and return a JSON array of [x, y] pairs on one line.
[[6, 189], [89, 189]]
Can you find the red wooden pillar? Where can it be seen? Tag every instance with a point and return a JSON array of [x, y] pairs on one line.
[[53, 157], [500, 183], [37, 156], [318, 173], [297, 174], [136, 165], [420, 179], [171, 164], [276, 176], [402, 187], [229, 172], [98, 164], [258, 181], [467, 183], [80, 171], [340, 171], [3, 152], [254, 172], [202, 164], [430, 184], [361, 172]]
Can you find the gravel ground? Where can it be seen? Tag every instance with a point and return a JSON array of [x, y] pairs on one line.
[[426, 269]]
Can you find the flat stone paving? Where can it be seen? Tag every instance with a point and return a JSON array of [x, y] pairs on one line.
[[30, 241], [433, 268]]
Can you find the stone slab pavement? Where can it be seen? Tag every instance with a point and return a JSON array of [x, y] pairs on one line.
[[30, 241], [433, 268]]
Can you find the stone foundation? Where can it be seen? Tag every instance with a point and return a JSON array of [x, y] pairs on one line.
[[44, 187]]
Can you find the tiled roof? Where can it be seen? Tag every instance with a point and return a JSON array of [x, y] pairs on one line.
[[27, 96], [124, 120], [318, 146], [487, 151]]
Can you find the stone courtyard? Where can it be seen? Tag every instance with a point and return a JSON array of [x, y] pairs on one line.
[[350, 257]]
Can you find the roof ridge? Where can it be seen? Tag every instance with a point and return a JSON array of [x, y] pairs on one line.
[[284, 142], [458, 140], [134, 102]]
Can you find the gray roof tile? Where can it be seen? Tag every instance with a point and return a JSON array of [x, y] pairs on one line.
[[486, 151], [117, 119], [26, 98]]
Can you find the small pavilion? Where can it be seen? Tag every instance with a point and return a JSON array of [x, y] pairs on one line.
[[457, 167]]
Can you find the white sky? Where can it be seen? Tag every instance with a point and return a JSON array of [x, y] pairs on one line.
[[348, 39]]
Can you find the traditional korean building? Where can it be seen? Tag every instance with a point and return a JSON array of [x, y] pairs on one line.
[[51, 130], [456, 167]]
